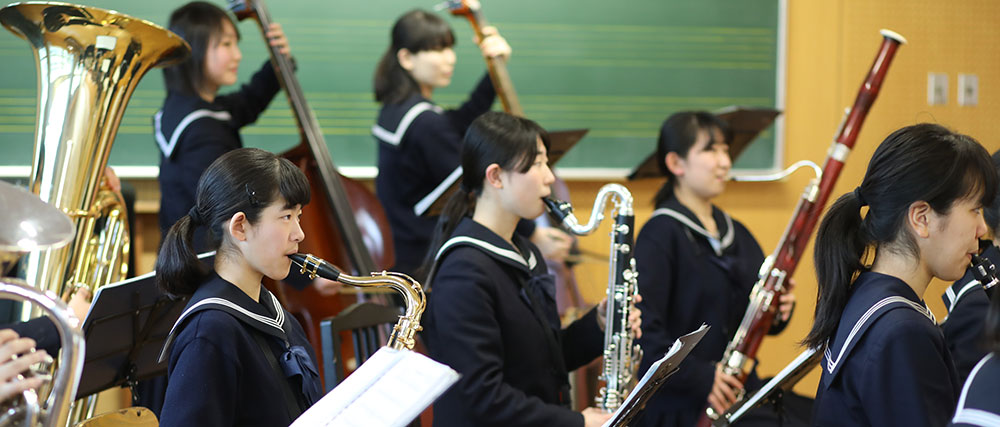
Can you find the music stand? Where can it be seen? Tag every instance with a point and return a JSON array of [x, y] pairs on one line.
[[655, 377], [744, 122], [773, 389], [125, 328], [559, 143]]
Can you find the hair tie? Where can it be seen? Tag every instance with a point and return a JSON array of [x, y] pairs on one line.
[[857, 195], [195, 215]]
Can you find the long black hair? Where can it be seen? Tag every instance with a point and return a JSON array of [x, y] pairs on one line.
[[924, 162], [415, 31], [243, 180], [677, 135], [198, 23], [494, 137]]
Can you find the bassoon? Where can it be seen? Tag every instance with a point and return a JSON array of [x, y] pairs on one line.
[[764, 298]]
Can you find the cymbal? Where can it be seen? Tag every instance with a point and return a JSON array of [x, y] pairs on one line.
[[29, 224]]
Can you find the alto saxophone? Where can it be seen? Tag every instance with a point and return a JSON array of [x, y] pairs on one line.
[[621, 354], [404, 333]]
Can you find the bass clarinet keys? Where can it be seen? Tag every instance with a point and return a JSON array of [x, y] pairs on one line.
[[621, 354]]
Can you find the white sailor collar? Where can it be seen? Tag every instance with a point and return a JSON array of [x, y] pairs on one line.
[[177, 102], [393, 124], [866, 305], [472, 234], [674, 209], [218, 294]]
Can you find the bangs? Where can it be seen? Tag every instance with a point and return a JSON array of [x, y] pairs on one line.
[[434, 34], [292, 184], [971, 176]]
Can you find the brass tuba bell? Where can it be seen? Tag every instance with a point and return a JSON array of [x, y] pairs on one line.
[[89, 62]]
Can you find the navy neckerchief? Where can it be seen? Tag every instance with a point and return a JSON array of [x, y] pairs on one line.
[[693, 226], [537, 289], [266, 317], [872, 296], [954, 293]]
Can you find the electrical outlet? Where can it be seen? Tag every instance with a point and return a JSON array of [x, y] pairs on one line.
[[968, 89], [937, 88]]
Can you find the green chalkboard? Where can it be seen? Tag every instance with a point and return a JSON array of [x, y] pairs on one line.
[[617, 68]]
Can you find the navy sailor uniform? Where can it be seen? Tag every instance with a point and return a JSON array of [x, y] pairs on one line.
[[688, 277], [978, 404], [967, 303], [191, 133], [218, 373], [419, 157], [492, 317], [887, 363]]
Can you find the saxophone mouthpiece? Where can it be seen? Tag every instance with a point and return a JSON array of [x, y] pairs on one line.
[[314, 266]]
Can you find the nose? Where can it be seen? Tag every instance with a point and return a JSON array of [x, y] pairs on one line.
[[980, 226], [724, 160], [449, 56], [548, 177], [297, 234], [237, 54]]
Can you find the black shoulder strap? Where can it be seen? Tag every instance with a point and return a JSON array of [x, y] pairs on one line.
[[291, 403]]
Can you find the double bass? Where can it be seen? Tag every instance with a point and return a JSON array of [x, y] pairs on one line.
[[346, 221]]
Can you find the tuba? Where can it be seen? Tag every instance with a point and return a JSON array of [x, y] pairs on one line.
[[28, 224], [89, 62], [403, 335], [621, 355]]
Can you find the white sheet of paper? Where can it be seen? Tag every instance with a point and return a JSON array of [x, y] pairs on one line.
[[390, 389]]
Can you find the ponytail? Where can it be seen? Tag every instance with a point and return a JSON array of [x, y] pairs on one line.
[[178, 271], [840, 245]]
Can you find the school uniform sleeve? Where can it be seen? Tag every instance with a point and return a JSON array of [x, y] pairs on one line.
[[906, 378], [247, 103], [963, 331], [203, 384], [582, 341], [464, 299], [40, 329], [654, 257], [479, 102]]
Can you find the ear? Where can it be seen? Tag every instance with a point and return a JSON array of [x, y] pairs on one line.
[[493, 176], [405, 59], [237, 226], [918, 218], [675, 164]]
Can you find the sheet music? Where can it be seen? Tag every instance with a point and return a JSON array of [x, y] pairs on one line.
[[661, 368], [390, 389]]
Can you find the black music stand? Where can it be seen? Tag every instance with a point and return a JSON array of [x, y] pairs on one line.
[[651, 381], [744, 122], [125, 329]]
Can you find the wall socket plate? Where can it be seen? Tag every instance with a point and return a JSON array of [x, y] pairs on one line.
[[937, 88], [968, 89]]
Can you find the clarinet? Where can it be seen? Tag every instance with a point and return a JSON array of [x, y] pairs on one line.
[[621, 354], [764, 298]]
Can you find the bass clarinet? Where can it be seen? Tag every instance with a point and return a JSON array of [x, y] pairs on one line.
[[760, 314], [621, 354]]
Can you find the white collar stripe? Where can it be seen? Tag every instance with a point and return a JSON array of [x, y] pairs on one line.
[[276, 323], [394, 138], [963, 414], [506, 253], [954, 299], [168, 146], [424, 204], [723, 243], [831, 364], [976, 417]]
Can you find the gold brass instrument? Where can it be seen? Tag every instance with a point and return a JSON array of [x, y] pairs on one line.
[[28, 224], [403, 335], [89, 61], [621, 355]]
